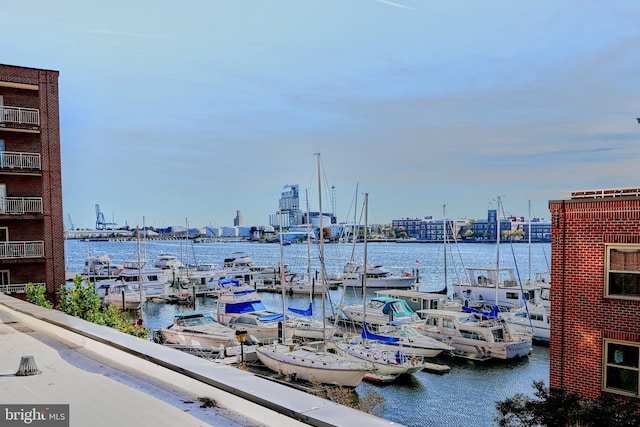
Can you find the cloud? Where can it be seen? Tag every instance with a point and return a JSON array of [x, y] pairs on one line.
[[390, 3]]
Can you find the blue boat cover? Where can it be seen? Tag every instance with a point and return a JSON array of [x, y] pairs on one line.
[[245, 307], [270, 317], [227, 282], [304, 312], [493, 314], [367, 334]]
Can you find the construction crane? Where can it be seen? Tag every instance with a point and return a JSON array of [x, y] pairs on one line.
[[71, 227], [101, 224]]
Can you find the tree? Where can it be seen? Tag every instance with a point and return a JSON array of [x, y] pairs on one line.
[[557, 408]]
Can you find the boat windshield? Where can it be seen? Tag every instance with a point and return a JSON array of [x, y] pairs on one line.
[[196, 321]]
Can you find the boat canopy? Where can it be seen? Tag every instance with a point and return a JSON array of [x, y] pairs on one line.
[[245, 307]]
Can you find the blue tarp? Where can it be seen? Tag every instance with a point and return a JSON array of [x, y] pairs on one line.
[[306, 312], [245, 307], [493, 314], [226, 282]]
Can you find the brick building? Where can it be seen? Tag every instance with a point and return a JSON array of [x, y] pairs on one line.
[[31, 218], [595, 292]]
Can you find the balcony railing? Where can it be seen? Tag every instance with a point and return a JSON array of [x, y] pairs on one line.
[[18, 160], [16, 288], [20, 205], [19, 115], [9, 250]]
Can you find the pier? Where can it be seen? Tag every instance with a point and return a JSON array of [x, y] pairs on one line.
[[108, 377]]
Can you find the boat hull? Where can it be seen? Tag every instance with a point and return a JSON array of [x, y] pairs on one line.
[[313, 366]]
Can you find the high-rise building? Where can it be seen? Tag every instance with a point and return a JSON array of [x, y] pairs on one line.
[[289, 208], [237, 221], [31, 216]]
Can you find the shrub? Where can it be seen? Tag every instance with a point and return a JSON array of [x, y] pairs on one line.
[[36, 294]]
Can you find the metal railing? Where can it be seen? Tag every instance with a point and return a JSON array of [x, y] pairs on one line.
[[16, 288], [18, 160], [20, 205], [34, 249], [23, 116], [599, 194]]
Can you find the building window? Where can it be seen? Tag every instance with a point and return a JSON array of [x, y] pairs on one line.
[[622, 275], [621, 367]]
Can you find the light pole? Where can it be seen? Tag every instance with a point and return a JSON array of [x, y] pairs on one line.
[[241, 336]]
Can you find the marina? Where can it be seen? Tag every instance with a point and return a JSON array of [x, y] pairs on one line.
[[421, 399]]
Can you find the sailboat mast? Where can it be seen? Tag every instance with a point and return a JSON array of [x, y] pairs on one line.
[[283, 280], [444, 227], [497, 250], [322, 270], [529, 240], [364, 275], [311, 282]]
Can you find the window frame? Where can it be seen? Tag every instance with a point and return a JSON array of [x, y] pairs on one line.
[[607, 271], [606, 365]]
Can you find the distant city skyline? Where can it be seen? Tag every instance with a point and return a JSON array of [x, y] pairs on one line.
[[173, 114]]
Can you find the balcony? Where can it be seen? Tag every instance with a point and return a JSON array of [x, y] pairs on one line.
[[19, 115], [17, 288], [20, 205], [11, 161], [17, 250]]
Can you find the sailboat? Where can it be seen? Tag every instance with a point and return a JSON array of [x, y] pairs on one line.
[[307, 362], [389, 364], [305, 326]]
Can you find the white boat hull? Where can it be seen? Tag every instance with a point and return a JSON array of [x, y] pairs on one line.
[[313, 366]]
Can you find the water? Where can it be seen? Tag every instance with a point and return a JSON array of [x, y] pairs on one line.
[[464, 396]]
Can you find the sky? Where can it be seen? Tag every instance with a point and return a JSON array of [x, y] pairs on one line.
[[177, 113]]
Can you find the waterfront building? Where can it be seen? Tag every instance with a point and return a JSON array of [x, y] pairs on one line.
[[427, 228], [595, 293], [31, 218]]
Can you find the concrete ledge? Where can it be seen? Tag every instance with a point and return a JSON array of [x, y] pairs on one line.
[[267, 402]]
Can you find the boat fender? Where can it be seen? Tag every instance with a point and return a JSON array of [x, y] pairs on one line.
[[415, 361]]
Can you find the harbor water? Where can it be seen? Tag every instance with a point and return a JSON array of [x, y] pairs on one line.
[[464, 396]]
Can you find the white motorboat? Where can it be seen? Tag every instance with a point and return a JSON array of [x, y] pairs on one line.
[[132, 273], [198, 329], [100, 266], [474, 336], [122, 295], [531, 319], [379, 311], [241, 308], [497, 285], [242, 261], [377, 277]]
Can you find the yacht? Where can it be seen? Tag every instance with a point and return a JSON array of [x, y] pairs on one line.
[[474, 336], [153, 281], [377, 277]]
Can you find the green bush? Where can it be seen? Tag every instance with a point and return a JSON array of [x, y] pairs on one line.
[[82, 301], [36, 294]]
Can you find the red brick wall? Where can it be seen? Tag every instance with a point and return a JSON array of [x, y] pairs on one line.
[[48, 227], [581, 316]]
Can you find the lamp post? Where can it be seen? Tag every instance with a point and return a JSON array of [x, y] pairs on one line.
[[241, 336]]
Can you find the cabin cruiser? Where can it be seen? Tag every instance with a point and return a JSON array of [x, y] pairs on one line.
[[153, 282], [475, 336], [377, 277]]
